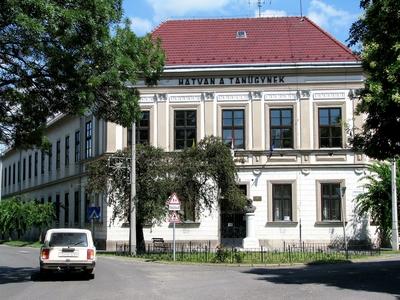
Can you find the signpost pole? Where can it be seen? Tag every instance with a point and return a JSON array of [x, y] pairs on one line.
[[174, 242]]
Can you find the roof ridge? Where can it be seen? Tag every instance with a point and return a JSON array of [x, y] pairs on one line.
[[227, 18], [348, 50]]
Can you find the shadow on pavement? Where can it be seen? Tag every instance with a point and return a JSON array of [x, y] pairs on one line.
[[380, 277], [15, 275]]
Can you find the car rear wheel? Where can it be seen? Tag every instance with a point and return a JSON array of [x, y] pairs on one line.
[[90, 273]]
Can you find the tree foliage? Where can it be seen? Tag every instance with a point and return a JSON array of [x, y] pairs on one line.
[[203, 176], [377, 35], [68, 57], [19, 216], [377, 199]]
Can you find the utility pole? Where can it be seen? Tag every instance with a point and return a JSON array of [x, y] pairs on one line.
[[395, 228], [132, 225]]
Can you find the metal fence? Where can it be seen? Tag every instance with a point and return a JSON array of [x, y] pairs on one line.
[[288, 253]]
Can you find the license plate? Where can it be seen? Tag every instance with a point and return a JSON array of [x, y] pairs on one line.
[[68, 254]]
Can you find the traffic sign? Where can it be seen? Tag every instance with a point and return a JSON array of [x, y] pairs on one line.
[[173, 202], [174, 217], [93, 212]]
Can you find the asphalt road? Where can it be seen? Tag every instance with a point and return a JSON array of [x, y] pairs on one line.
[[121, 278]]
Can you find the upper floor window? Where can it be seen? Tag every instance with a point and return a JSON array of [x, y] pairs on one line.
[[9, 175], [66, 157], [233, 128], [88, 139], [19, 171], [58, 155], [24, 168], [77, 146], [185, 128], [13, 173], [281, 129], [50, 158], [330, 127], [5, 177], [142, 130], [35, 170], [330, 202], [42, 162], [30, 166]]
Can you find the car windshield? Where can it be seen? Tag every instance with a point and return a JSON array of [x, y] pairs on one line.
[[62, 239]]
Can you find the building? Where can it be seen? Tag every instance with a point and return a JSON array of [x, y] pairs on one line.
[[281, 90]]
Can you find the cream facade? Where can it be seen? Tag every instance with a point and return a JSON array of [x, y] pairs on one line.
[[302, 169]]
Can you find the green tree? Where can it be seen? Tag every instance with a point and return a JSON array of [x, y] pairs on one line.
[[202, 176], [13, 217], [377, 199], [379, 40], [68, 57], [40, 216]]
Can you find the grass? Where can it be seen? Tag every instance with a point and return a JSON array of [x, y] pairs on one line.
[[17, 243], [238, 257]]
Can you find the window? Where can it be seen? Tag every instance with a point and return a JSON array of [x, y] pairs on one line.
[[50, 158], [19, 171], [330, 202], [88, 139], [77, 146], [66, 158], [77, 210], [42, 162], [36, 164], [87, 203], [5, 176], [330, 128], [58, 154], [66, 209], [282, 202], [142, 130], [24, 169], [57, 208], [189, 211], [281, 131], [30, 166], [9, 175], [233, 128], [185, 128], [13, 173], [42, 200]]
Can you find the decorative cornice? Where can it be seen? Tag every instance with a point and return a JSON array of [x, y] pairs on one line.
[[280, 96], [185, 98], [332, 95], [233, 97]]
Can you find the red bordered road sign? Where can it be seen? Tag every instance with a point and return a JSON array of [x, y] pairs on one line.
[[174, 217], [174, 203]]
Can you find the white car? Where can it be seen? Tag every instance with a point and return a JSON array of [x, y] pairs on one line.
[[68, 249]]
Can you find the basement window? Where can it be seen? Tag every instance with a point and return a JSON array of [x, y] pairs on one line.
[[241, 34]]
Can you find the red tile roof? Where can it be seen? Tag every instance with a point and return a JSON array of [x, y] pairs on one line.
[[269, 40]]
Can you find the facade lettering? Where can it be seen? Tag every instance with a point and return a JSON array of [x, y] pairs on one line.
[[237, 80]]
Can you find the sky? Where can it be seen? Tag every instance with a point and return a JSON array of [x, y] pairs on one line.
[[334, 16]]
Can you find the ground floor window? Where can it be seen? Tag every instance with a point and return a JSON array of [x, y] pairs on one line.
[[282, 202], [330, 202]]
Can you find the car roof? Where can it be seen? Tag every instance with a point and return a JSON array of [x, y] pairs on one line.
[[62, 230]]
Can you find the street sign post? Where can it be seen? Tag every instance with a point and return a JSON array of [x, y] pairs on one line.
[[174, 205], [93, 212]]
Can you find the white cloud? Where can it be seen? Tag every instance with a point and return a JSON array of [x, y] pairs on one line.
[[329, 17], [272, 13], [141, 26], [177, 8]]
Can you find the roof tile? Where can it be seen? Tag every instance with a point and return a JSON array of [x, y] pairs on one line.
[[269, 40]]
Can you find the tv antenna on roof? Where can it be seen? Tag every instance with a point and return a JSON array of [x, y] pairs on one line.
[[260, 4]]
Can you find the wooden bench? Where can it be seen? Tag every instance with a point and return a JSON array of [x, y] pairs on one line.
[[159, 244]]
